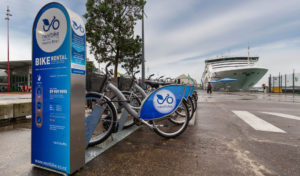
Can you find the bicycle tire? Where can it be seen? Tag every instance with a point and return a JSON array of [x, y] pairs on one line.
[[178, 128], [191, 107], [180, 112], [196, 95], [107, 122], [195, 101]]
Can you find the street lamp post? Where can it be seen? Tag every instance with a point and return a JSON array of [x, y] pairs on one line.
[[8, 14], [143, 50]]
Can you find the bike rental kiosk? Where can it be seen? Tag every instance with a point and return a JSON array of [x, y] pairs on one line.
[[58, 94]]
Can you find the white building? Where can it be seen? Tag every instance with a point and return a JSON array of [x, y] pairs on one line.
[[184, 79]]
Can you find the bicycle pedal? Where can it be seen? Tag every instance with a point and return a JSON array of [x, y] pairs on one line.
[[137, 122]]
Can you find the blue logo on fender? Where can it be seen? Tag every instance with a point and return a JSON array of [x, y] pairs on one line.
[[161, 100], [164, 101]]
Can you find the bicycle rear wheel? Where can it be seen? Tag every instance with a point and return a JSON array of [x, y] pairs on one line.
[[107, 121], [166, 127]]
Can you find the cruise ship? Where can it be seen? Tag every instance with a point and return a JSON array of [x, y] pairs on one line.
[[242, 69]]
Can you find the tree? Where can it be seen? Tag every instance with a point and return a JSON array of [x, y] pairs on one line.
[[90, 72], [134, 59], [90, 67], [110, 31]]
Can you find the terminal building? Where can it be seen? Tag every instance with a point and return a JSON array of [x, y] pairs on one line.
[[20, 75]]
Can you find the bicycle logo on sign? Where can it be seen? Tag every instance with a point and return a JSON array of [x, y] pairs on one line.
[[54, 24], [76, 27], [161, 100]]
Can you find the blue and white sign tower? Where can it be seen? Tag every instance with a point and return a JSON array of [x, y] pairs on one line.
[[58, 93]]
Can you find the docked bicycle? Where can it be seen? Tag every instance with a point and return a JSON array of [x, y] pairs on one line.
[[165, 110]]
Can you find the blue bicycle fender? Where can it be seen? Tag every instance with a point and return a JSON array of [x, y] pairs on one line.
[[162, 102], [187, 91], [192, 90]]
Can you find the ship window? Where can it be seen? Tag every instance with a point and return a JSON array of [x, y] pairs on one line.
[[231, 59], [234, 73]]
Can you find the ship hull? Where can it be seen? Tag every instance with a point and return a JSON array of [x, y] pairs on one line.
[[246, 78]]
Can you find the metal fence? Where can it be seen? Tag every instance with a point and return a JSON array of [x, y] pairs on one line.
[[284, 83]]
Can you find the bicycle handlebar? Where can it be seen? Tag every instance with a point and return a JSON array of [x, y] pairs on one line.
[[150, 76], [136, 72], [105, 77], [106, 67]]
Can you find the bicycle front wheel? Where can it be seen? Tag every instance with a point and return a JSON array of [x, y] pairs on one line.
[[166, 127], [134, 102], [191, 107], [195, 95], [180, 111], [107, 121], [194, 98], [180, 114]]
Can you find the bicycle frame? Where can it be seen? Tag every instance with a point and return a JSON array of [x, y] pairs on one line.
[[128, 107], [141, 90], [123, 99], [151, 112]]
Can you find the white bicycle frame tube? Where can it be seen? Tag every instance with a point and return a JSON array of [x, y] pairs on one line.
[[128, 107], [139, 89], [119, 94]]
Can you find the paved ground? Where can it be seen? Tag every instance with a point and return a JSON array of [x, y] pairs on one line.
[[234, 134]]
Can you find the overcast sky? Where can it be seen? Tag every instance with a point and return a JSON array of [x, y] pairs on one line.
[[180, 35]]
